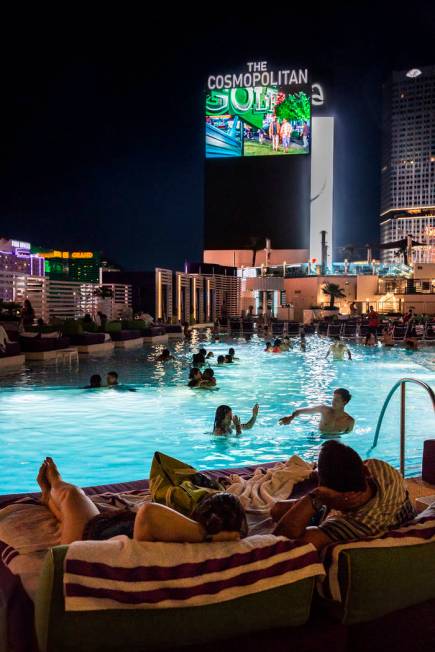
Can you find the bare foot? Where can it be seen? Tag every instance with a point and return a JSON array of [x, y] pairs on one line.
[[43, 482], [52, 472]]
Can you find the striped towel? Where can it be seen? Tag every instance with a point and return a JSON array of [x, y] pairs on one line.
[[123, 574], [419, 531]]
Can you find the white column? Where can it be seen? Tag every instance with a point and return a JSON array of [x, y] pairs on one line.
[[322, 185]]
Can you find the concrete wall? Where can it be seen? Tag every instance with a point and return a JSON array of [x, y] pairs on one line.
[[239, 257]]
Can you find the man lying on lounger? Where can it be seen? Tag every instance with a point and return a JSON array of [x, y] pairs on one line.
[[354, 500], [333, 419]]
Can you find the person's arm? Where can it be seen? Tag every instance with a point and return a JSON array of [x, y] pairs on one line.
[[248, 425], [349, 354], [351, 425], [312, 410], [238, 426]]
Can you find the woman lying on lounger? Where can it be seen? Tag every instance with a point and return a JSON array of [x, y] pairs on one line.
[[218, 517]]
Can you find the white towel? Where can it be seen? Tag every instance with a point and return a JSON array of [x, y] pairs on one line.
[[262, 490]]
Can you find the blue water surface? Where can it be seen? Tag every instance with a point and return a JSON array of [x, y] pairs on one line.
[[104, 436]]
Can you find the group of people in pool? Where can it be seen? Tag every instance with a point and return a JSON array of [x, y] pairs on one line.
[[285, 344], [206, 379], [112, 381]]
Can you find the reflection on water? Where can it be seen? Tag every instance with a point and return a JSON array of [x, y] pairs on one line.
[[107, 436]]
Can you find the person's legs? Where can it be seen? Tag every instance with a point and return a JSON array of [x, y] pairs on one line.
[[155, 522], [68, 503]]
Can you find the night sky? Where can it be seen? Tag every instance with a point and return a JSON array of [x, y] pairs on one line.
[[101, 142]]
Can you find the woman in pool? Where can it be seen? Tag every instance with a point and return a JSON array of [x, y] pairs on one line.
[[195, 377], [218, 517], [224, 419], [208, 380]]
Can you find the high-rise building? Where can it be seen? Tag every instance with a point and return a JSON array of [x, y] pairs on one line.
[[408, 163], [83, 266]]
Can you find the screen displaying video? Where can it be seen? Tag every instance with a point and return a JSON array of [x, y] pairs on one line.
[[259, 121]]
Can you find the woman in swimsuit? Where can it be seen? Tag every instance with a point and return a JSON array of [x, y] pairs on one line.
[[224, 419]]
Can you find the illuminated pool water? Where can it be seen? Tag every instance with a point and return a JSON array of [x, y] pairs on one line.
[[104, 436]]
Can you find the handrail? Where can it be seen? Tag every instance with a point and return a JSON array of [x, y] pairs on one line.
[[402, 384]]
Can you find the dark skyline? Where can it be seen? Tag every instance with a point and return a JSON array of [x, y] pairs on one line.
[[102, 131]]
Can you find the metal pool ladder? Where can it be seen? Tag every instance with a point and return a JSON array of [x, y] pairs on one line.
[[402, 384]]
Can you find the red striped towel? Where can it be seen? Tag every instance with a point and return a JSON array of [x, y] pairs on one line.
[[123, 574]]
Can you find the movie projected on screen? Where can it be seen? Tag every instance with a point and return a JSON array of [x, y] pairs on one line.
[[245, 117]]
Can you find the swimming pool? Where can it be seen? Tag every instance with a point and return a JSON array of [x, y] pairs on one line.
[[103, 436]]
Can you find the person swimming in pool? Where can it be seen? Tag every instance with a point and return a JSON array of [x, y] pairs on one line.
[[113, 382], [269, 348], [165, 356], [228, 359], [195, 377], [221, 360], [333, 419], [232, 353], [208, 380], [94, 382], [224, 420], [339, 349], [218, 517]]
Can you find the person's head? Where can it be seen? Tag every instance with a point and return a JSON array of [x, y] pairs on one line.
[[231, 351], [223, 417], [286, 339], [165, 354], [221, 359], [268, 346], [95, 380], [210, 354], [340, 468], [336, 338], [202, 352], [197, 359], [112, 378], [208, 374], [341, 397], [228, 359], [27, 304], [221, 512], [370, 308], [195, 374], [277, 342]]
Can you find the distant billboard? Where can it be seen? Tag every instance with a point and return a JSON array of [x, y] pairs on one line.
[[258, 113]]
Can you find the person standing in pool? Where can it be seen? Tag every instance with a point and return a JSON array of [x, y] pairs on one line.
[[224, 420], [94, 382], [333, 419], [338, 349], [112, 379]]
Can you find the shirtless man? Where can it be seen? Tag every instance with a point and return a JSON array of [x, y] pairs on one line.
[[333, 419], [338, 349]]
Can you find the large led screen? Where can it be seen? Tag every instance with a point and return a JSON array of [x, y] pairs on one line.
[[258, 121]]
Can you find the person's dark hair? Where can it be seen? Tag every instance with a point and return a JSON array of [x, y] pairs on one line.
[[113, 373], [202, 352], [221, 512], [340, 468], [208, 373], [198, 359], [231, 351], [228, 358], [221, 358], [268, 344], [344, 393], [221, 413], [166, 353], [193, 372], [95, 380], [27, 304], [277, 342]]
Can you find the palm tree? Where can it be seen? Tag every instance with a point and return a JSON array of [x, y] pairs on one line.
[[334, 291]]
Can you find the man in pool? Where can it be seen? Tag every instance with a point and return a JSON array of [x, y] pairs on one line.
[[339, 349], [112, 379], [333, 419], [353, 500]]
